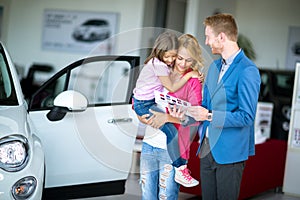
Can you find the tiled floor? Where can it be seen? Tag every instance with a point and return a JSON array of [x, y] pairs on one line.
[[133, 192]]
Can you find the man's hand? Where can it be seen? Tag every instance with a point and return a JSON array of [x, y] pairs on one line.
[[199, 113]]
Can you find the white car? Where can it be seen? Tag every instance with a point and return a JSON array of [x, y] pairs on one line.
[[21, 153], [87, 128]]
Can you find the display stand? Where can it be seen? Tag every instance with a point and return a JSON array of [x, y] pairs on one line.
[[292, 167]]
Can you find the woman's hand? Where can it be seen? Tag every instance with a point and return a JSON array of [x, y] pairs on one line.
[[158, 119], [177, 112], [144, 119]]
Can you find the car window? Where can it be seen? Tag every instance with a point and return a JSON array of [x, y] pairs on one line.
[[7, 92], [96, 22], [45, 97], [102, 82], [284, 84]]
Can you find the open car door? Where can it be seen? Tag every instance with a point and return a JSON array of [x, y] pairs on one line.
[[88, 151]]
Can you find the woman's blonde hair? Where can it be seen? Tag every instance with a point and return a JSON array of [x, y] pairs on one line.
[[190, 43], [164, 42]]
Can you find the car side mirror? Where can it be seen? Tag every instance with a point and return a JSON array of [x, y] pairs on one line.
[[67, 101]]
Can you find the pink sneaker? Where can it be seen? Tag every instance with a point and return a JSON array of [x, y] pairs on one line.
[[183, 177]]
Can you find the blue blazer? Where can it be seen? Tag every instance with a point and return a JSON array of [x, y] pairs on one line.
[[233, 103]]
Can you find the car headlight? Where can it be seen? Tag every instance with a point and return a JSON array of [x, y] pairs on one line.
[[13, 153]]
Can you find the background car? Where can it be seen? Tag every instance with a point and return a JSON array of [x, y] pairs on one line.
[[277, 87], [21, 153], [92, 30]]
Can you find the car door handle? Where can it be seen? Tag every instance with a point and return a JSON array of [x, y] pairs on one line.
[[121, 120]]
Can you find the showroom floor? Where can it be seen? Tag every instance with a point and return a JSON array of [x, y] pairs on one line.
[[133, 193]]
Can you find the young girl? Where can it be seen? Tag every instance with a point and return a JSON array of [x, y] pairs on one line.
[[155, 76]]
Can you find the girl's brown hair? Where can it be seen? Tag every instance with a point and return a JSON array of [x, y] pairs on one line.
[[164, 42]]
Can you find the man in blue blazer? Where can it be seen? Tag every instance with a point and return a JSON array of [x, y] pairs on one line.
[[228, 111]]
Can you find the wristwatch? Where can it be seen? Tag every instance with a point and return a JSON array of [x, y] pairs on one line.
[[209, 115]]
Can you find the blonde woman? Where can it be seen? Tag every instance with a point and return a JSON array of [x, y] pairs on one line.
[[157, 172]]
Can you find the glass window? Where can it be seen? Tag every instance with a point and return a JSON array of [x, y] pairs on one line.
[[102, 82], [45, 97], [7, 92], [284, 84]]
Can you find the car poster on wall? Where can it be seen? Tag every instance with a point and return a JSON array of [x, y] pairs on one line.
[[78, 31]]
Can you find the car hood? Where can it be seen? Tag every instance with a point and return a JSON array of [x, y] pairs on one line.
[[13, 121]]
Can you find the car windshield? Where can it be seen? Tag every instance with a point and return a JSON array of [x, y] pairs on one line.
[[96, 22], [7, 91]]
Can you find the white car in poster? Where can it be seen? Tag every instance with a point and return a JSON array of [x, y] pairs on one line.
[[92, 30], [83, 119]]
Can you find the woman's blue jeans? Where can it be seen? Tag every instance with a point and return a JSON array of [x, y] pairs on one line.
[[157, 174]]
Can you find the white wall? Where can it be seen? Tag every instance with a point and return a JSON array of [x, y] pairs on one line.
[[24, 31], [266, 23], [197, 11]]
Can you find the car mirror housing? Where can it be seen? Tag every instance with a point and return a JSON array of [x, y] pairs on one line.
[[67, 101]]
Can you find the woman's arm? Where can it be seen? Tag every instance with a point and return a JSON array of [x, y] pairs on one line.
[[159, 119]]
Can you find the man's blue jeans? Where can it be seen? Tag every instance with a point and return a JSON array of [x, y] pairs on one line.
[[157, 174]]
